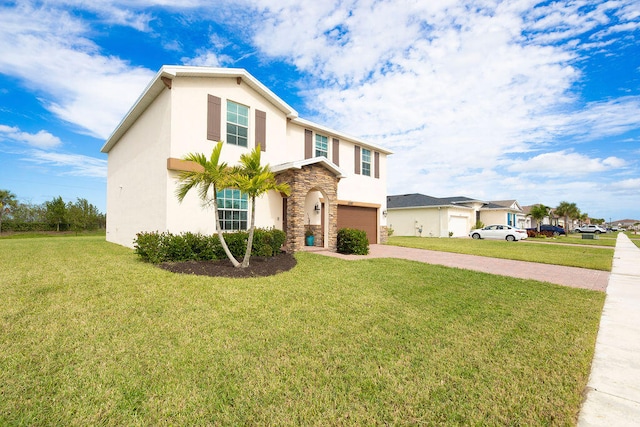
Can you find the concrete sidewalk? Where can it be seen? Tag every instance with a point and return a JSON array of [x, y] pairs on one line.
[[613, 392]]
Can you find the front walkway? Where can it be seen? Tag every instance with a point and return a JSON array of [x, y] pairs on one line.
[[613, 391], [568, 276]]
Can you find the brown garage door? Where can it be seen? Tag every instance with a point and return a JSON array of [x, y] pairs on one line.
[[359, 218]]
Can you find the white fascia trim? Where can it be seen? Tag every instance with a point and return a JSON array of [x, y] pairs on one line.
[[309, 124], [299, 164]]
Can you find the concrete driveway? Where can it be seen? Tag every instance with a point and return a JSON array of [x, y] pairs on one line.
[[568, 276]]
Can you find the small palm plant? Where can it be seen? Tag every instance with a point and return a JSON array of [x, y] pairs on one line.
[[208, 179], [255, 180]]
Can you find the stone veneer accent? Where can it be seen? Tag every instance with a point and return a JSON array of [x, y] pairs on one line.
[[317, 235], [312, 177], [384, 234]]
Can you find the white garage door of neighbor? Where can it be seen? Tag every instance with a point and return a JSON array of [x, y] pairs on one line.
[[458, 224]]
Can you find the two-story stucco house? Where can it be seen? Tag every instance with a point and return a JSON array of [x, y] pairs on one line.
[[336, 180]]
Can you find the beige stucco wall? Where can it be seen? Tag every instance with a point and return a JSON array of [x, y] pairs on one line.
[[493, 217], [136, 178]]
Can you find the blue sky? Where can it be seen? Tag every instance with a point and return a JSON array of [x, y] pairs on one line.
[[522, 99]]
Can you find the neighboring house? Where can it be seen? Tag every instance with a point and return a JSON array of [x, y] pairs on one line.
[[551, 219], [336, 180], [427, 216], [628, 224], [499, 211]]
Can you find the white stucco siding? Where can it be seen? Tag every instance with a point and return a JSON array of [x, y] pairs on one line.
[[137, 170], [493, 217], [434, 222], [361, 188], [190, 215], [189, 130], [409, 222]]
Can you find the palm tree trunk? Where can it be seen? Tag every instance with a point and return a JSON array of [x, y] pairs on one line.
[[247, 254], [221, 236]]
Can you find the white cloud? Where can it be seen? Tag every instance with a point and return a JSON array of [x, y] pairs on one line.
[[457, 89], [48, 52], [71, 164], [41, 139], [565, 164], [632, 184]]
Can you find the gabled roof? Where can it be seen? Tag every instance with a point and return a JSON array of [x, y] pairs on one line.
[[169, 72], [417, 200], [504, 204], [323, 161]]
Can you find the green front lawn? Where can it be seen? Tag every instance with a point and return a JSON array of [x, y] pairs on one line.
[[568, 255], [89, 335], [608, 239]]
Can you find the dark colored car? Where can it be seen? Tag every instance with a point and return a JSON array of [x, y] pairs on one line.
[[555, 230]]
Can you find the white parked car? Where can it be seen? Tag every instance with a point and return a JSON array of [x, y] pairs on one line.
[[590, 228], [501, 232]]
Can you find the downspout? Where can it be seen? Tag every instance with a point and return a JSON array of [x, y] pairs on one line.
[[439, 221]]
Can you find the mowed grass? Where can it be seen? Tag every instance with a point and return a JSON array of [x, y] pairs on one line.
[[635, 238], [608, 239], [567, 255], [89, 335]]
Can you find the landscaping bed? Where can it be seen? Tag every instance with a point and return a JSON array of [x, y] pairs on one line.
[[258, 267]]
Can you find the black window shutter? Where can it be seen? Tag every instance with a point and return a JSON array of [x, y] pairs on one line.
[[376, 165]]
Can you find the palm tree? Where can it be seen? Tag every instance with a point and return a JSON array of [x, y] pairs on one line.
[[539, 212], [207, 180], [7, 201], [583, 217], [255, 180], [567, 210]]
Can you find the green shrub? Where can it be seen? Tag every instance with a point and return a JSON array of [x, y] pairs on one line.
[[352, 241], [149, 246], [267, 241], [158, 247], [237, 243]]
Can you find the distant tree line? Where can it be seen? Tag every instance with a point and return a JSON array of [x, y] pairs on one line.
[[52, 215]]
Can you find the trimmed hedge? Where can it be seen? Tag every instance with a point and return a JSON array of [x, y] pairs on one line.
[[158, 247], [18, 226], [352, 241]]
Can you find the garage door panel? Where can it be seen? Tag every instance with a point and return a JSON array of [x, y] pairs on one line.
[[458, 225], [359, 218]]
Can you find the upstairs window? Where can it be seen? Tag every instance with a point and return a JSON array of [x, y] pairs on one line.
[[237, 124], [322, 146], [366, 162], [232, 209]]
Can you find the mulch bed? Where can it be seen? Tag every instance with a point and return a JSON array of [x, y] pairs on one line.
[[258, 267]]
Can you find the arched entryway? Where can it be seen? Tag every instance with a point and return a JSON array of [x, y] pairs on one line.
[[313, 183]]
